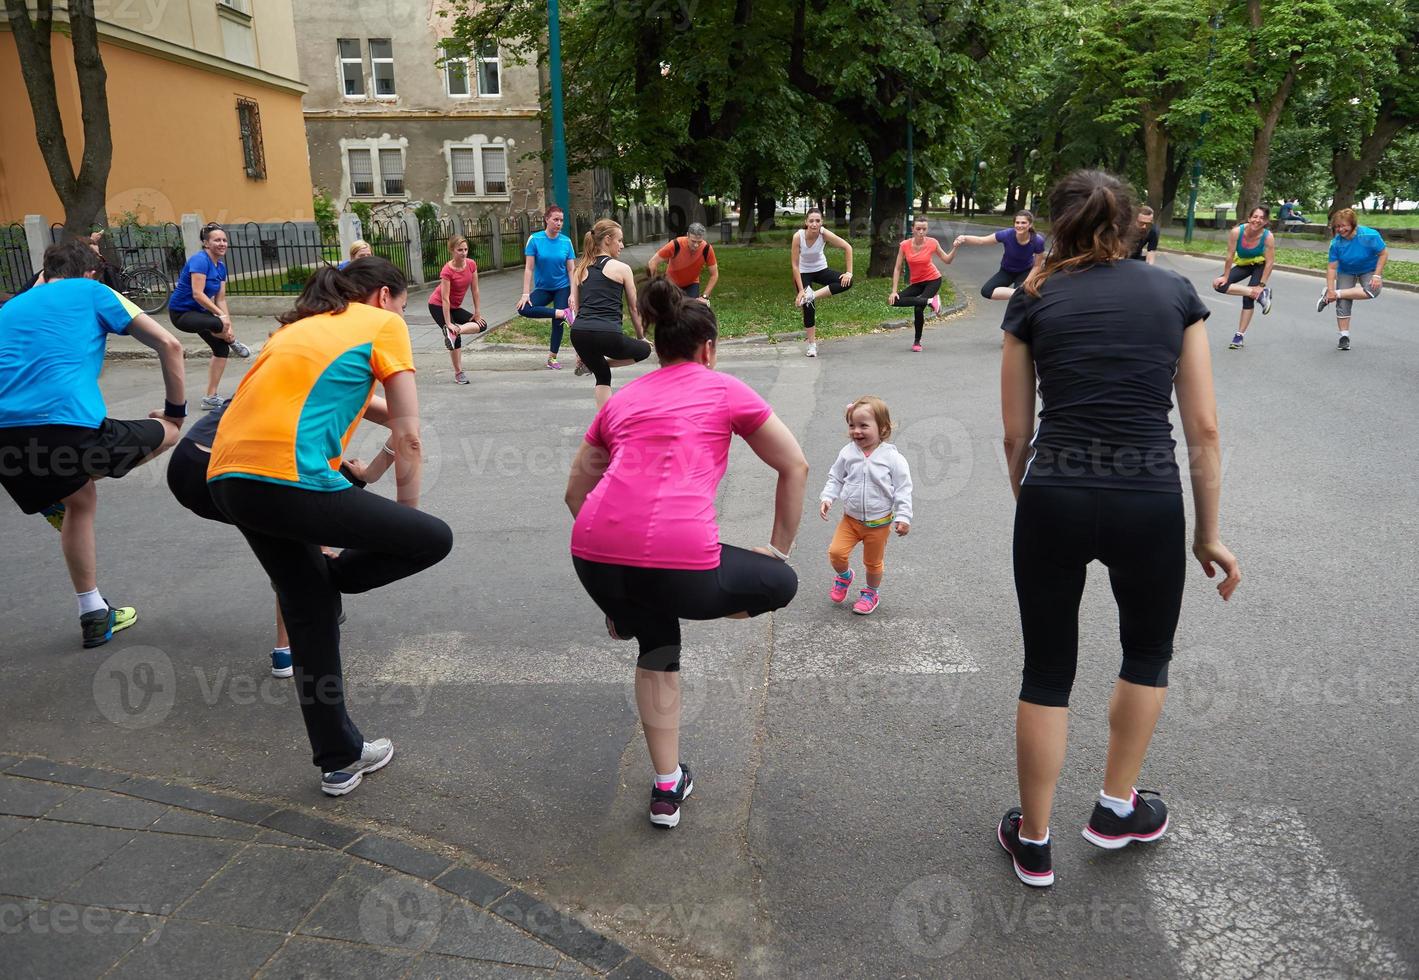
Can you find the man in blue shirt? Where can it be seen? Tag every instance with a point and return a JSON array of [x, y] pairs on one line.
[[1357, 257], [547, 279], [55, 436]]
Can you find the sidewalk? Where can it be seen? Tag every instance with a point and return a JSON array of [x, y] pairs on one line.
[[142, 879]]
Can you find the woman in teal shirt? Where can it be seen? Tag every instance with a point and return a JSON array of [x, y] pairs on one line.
[[1357, 257], [1251, 253]]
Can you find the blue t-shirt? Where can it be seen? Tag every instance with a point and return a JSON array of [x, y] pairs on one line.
[[549, 271], [1017, 257], [1359, 254], [52, 343], [202, 264]]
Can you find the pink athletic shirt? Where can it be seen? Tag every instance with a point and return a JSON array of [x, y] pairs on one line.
[[458, 283], [668, 434]]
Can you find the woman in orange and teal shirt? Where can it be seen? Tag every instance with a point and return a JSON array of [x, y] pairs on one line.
[[919, 253], [274, 473]]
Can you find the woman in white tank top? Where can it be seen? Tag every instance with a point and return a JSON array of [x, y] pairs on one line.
[[812, 279]]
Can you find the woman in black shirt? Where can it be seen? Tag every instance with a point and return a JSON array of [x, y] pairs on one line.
[[1110, 341]]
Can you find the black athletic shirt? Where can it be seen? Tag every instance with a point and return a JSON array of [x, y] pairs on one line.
[[599, 299], [1148, 243], [1106, 342]]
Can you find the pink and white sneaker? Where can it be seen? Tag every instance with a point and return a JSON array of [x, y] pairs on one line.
[[568, 315], [935, 304], [840, 586], [866, 603]]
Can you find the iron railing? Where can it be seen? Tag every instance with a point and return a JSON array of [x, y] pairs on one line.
[[16, 270]]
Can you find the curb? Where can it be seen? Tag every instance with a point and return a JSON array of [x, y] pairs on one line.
[[542, 921], [1407, 287]]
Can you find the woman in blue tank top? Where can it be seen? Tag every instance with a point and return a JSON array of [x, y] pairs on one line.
[[1251, 252]]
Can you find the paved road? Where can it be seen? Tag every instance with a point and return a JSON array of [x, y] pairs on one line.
[[850, 771]]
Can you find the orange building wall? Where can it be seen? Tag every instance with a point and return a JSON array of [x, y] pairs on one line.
[[176, 144]]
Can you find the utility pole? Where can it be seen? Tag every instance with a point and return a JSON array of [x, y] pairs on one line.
[[559, 140], [1213, 22]]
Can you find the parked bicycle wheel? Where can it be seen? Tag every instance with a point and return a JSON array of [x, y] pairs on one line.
[[147, 288]]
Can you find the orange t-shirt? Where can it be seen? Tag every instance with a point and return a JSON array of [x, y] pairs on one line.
[[298, 406], [685, 266]]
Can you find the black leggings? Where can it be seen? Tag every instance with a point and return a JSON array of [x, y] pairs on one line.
[[383, 542], [823, 277], [648, 603], [1002, 278], [1139, 536], [1240, 272], [596, 347], [204, 325], [460, 317], [918, 296]]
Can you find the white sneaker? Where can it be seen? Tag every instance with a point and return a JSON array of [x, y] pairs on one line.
[[808, 296], [812, 350], [376, 756], [1264, 300]]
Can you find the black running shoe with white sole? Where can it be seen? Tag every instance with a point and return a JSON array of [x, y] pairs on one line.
[[1033, 863], [1344, 343], [665, 803], [1147, 822]]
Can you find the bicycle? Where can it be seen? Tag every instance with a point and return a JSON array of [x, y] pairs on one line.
[[145, 286]]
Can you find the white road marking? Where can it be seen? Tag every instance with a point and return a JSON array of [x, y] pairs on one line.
[[1250, 894]]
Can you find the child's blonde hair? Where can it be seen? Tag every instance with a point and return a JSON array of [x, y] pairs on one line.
[[879, 411]]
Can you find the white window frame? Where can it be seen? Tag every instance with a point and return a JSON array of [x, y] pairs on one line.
[[374, 78], [341, 61], [374, 144], [469, 82], [497, 60], [483, 171], [477, 142], [383, 179], [240, 6]]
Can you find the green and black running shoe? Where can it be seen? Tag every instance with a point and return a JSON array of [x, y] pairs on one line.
[[54, 514], [100, 625]]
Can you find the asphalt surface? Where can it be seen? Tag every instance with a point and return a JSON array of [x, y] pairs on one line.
[[849, 771]]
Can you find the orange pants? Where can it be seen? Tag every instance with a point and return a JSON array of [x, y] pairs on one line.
[[850, 531]]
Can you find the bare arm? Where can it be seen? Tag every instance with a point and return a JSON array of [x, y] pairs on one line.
[[774, 444], [477, 297], [653, 264], [1380, 261], [587, 469], [403, 409], [222, 300], [714, 278], [1270, 259], [527, 267], [793, 257], [843, 244], [1330, 273], [973, 240], [571, 273], [152, 335], [199, 295], [896, 276], [1197, 405], [943, 255], [628, 279], [1017, 405]]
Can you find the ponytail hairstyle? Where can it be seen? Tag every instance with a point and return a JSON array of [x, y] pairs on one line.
[[355, 246], [207, 229], [680, 325], [592, 243], [332, 290], [1028, 216], [1093, 219]]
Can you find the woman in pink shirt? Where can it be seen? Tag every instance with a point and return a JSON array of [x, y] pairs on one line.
[[645, 543], [458, 278]]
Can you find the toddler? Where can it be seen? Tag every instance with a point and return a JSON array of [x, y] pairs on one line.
[[875, 485]]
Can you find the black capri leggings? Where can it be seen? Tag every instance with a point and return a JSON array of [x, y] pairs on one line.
[[918, 296], [460, 317], [648, 603], [383, 542], [204, 325], [823, 277], [596, 347], [1002, 278], [1139, 536], [1240, 272]]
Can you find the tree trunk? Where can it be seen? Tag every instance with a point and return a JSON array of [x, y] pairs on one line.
[[1350, 171], [1155, 149], [683, 190], [860, 203], [766, 216], [1255, 179], [83, 195], [889, 211], [748, 197], [1172, 180]]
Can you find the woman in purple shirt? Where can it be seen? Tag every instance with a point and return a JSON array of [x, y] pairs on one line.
[[1024, 249]]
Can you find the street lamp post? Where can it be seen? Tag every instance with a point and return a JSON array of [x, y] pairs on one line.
[[911, 170], [559, 141]]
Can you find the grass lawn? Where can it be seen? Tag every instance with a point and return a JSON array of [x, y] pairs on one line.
[[754, 298]]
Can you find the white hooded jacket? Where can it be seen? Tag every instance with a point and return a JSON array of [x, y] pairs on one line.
[[871, 487]]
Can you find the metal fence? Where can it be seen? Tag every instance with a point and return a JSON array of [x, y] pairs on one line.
[[515, 230], [265, 260], [435, 235], [155, 245], [15, 267], [389, 239]]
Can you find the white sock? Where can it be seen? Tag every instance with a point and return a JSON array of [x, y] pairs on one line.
[[1345, 333], [1120, 808], [90, 601], [673, 778], [1026, 840], [285, 649]]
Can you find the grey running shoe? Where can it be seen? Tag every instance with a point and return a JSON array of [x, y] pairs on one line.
[[1344, 343], [460, 377], [581, 369], [1322, 303], [240, 349], [376, 756], [1264, 300], [210, 402]]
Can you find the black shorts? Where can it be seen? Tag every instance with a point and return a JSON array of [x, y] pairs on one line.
[[42, 464], [187, 479], [596, 347]]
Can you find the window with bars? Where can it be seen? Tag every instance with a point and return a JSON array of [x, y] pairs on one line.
[[391, 170], [489, 82], [352, 67], [361, 173], [249, 125], [382, 66], [465, 172], [494, 170]]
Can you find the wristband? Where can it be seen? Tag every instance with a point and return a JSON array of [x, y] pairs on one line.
[[385, 448], [174, 411], [781, 556]]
